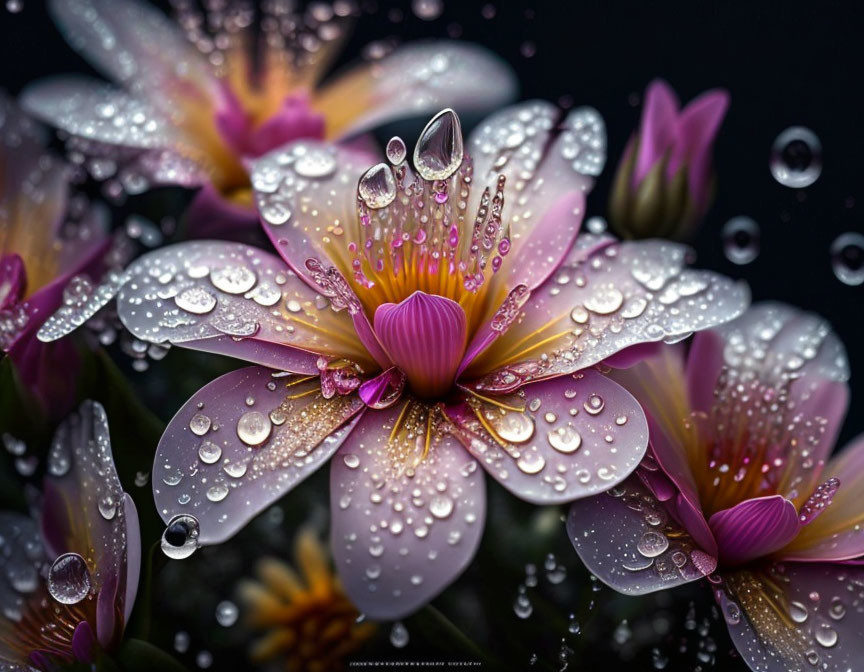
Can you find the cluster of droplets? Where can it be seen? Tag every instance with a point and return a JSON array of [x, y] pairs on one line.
[[416, 222]]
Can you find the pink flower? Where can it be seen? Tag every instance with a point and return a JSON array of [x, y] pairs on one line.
[[739, 487], [418, 329], [40, 252], [664, 182], [191, 109], [73, 572]]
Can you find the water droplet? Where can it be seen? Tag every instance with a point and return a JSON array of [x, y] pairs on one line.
[[226, 613], [377, 187], [180, 538], [847, 258], [209, 452], [399, 635], [254, 428], [741, 240], [396, 150], [199, 424], [69, 579], [796, 157], [565, 439], [439, 151], [195, 300], [652, 544]]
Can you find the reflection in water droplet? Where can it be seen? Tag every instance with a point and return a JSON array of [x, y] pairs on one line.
[[741, 240], [847, 258], [796, 157], [377, 187], [439, 151], [69, 579]]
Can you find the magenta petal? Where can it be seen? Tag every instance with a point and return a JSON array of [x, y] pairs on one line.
[[579, 435], [795, 616], [242, 442], [425, 336], [754, 528], [658, 127], [627, 539], [84, 643], [404, 525]]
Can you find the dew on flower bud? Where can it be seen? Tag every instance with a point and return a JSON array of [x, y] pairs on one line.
[[69, 579], [847, 258], [180, 538], [741, 240], [796, 157]]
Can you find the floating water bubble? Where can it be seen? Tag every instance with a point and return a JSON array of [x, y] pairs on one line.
[[226, 613], [796, 157], [180, 538], [847, 258], [377, 187], [396, 150], [69, 579], [439, 151], [428, 10], [399, 635], [741, 240]]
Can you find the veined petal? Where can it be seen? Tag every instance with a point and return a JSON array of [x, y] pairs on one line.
[[133, 43], [227, 298], [408, 506], [574, 437], [837, 533], [628, 540], [622, 295], [242, 442], [414, 80], [795, 617], [754, 528]]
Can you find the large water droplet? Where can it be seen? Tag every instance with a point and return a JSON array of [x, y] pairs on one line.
[[847, 258], [254, 428], [741, 240], [796, 157], [180, 538], [377, 187], [439, 151], [69, 579]]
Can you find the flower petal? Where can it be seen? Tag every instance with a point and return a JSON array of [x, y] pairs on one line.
[[133, 43], [227, 298], [627, 539], [408, 511], [576, 436], [754, 528], [416, 79], [837, 533], [242, 442], [85, 509], [795, 617], [622, 295]]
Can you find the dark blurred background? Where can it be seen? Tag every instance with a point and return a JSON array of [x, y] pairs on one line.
[[785, 64]]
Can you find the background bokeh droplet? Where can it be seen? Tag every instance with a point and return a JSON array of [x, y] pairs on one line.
[[847, 258], [796, 157], [741, 240]]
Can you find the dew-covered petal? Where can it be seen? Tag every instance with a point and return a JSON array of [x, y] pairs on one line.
[[306, 195], [232, 299], [85, 509], [242, 442], [98, 112], [622, 295], [542, 157], [796, 617], [628, 540], [574, 437], [416, 79], [134, 44], [838, 532], [754, 528], [408, 506]]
